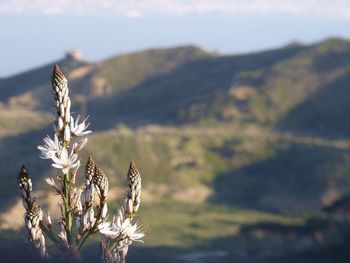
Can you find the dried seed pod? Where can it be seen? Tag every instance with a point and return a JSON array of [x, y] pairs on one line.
[[133, 173], [33, 217], [90, 169], [100, 180], [24, 181], [133, 198], [59, 81]]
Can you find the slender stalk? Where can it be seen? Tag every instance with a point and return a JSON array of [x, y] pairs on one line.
[[67, 202], [83, 241], [67, 208]]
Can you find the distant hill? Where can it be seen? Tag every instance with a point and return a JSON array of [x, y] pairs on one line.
[[296, 88]]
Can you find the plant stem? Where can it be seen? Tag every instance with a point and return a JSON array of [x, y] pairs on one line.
[[94, 228], [67, 204], [83, 242], [67, 208], [88, 234]]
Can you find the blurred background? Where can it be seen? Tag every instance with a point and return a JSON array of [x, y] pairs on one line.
[[235, 112]]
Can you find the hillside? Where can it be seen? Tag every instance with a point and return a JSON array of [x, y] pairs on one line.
[[281, 88], [295, 89], [254, 137]]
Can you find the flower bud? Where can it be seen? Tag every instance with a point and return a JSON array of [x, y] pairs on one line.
[[85, 221], [67, 116], [91, 214], [47, 218], [68, 105], [82, 198], [60, 124], [60, 95], [61, 113], [104, 211], [66, 133], [130, 206], [65, 97]]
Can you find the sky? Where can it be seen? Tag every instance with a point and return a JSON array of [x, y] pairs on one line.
[[37, 32]]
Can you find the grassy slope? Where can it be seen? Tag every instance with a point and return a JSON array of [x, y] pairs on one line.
[[273, 168]]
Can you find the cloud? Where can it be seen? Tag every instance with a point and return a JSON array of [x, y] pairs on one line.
[[338, 9]]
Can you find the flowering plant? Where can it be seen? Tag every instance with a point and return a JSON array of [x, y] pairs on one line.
[[84, 209]]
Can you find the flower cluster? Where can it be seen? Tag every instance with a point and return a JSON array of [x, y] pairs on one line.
[[121, 232], [34, 214], [86, 206], [58, 152], [66, 129]]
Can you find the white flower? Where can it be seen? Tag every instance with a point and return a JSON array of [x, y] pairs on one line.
[[65, 162], [50, 147], [121, 229], [133, 232], [108, 229], [78, 129]]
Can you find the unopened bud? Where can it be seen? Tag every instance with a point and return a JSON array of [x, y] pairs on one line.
[[61, 113], [68, 105], [60, 95], [65, 97], [79, 207], [67, 133], [67, 116], [47, 218], [60, 124], [104, 211], [130, 206], [82, 198], [91, 214]]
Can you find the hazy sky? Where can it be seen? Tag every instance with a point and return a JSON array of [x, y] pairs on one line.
[[35, 32]]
